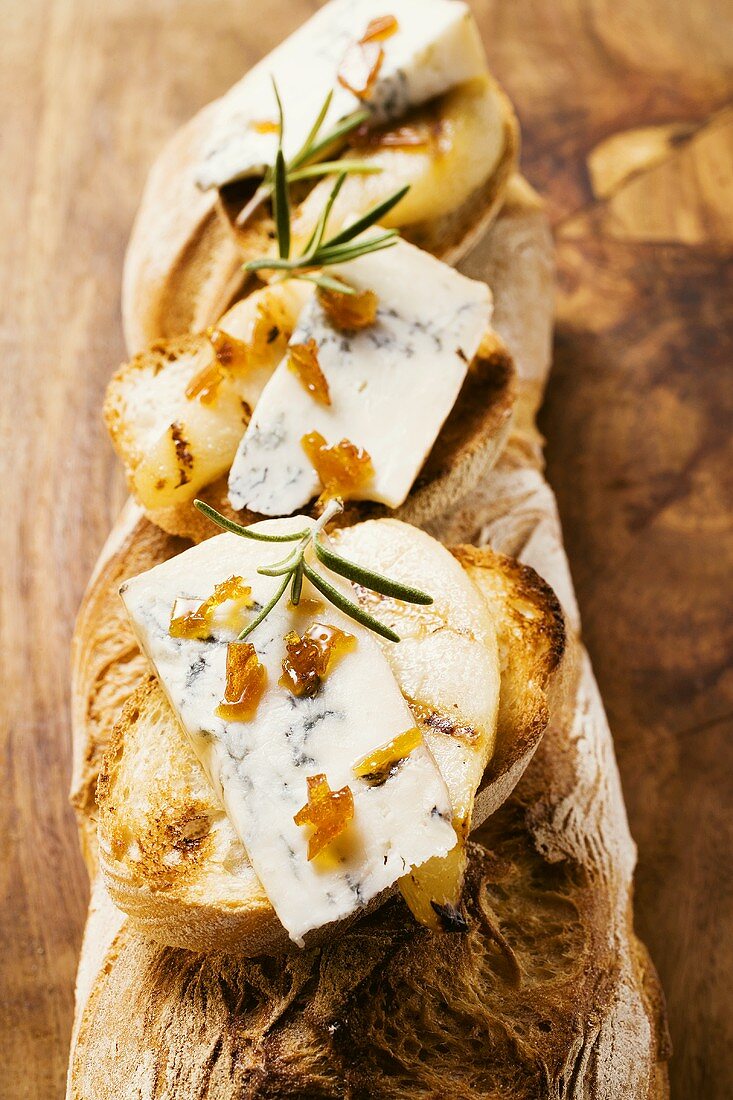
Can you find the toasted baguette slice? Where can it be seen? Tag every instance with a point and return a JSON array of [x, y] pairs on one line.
[[170, 857], [547, 984], [449, 673], [468, 445], [183, 265]]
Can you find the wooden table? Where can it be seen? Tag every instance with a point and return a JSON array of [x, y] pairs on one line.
[[627, 134]]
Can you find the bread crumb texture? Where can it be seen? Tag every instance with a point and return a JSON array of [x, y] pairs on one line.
[[389, 1009]]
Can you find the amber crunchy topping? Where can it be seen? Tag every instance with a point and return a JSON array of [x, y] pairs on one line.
[[397, 137], [307, 605], [303, 361], [349, 311], [377, 766], [269, 329], [309, 659], [342, 467], [300, 666], [205, 384], [245, 684], [327, 812], [230, 353], [384, 26], [198, 622], [363, 59], [360, 68]]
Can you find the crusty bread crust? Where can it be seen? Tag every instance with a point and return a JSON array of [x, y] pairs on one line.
[[547, 994], [182, 265], [106, 661]]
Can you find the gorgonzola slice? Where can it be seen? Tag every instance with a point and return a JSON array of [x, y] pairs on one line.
[[392, 385], [436, 47]]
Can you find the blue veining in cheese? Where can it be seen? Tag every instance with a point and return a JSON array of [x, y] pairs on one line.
[[392, 385], [260, 767], [436, 47]]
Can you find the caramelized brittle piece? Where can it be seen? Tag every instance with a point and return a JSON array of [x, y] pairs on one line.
[[397, 137], [309, 659], [332, 642], [234, 356], [327, 812], [245, 684], [205, 384], [231, 353], [342, 467], [360, 67], [270, 333], [303, 361], [308, 606], [384, 26], [300, 666], [377, 766], [198, 622], [349, 312]]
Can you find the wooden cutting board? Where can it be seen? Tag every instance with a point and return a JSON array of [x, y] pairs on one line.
[[627, 134]]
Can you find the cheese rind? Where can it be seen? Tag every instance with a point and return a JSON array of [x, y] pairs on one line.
[[260, 767], [392, 385], [436, 47]]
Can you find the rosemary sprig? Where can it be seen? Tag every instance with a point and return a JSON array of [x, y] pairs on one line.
[[295, 567], [318, 251], [305, 163]]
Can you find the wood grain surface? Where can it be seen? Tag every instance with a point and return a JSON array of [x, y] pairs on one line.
[[627, 134]]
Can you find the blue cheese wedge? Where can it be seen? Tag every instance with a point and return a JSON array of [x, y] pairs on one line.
[[260, 767], [391, 385], [436, 46]]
